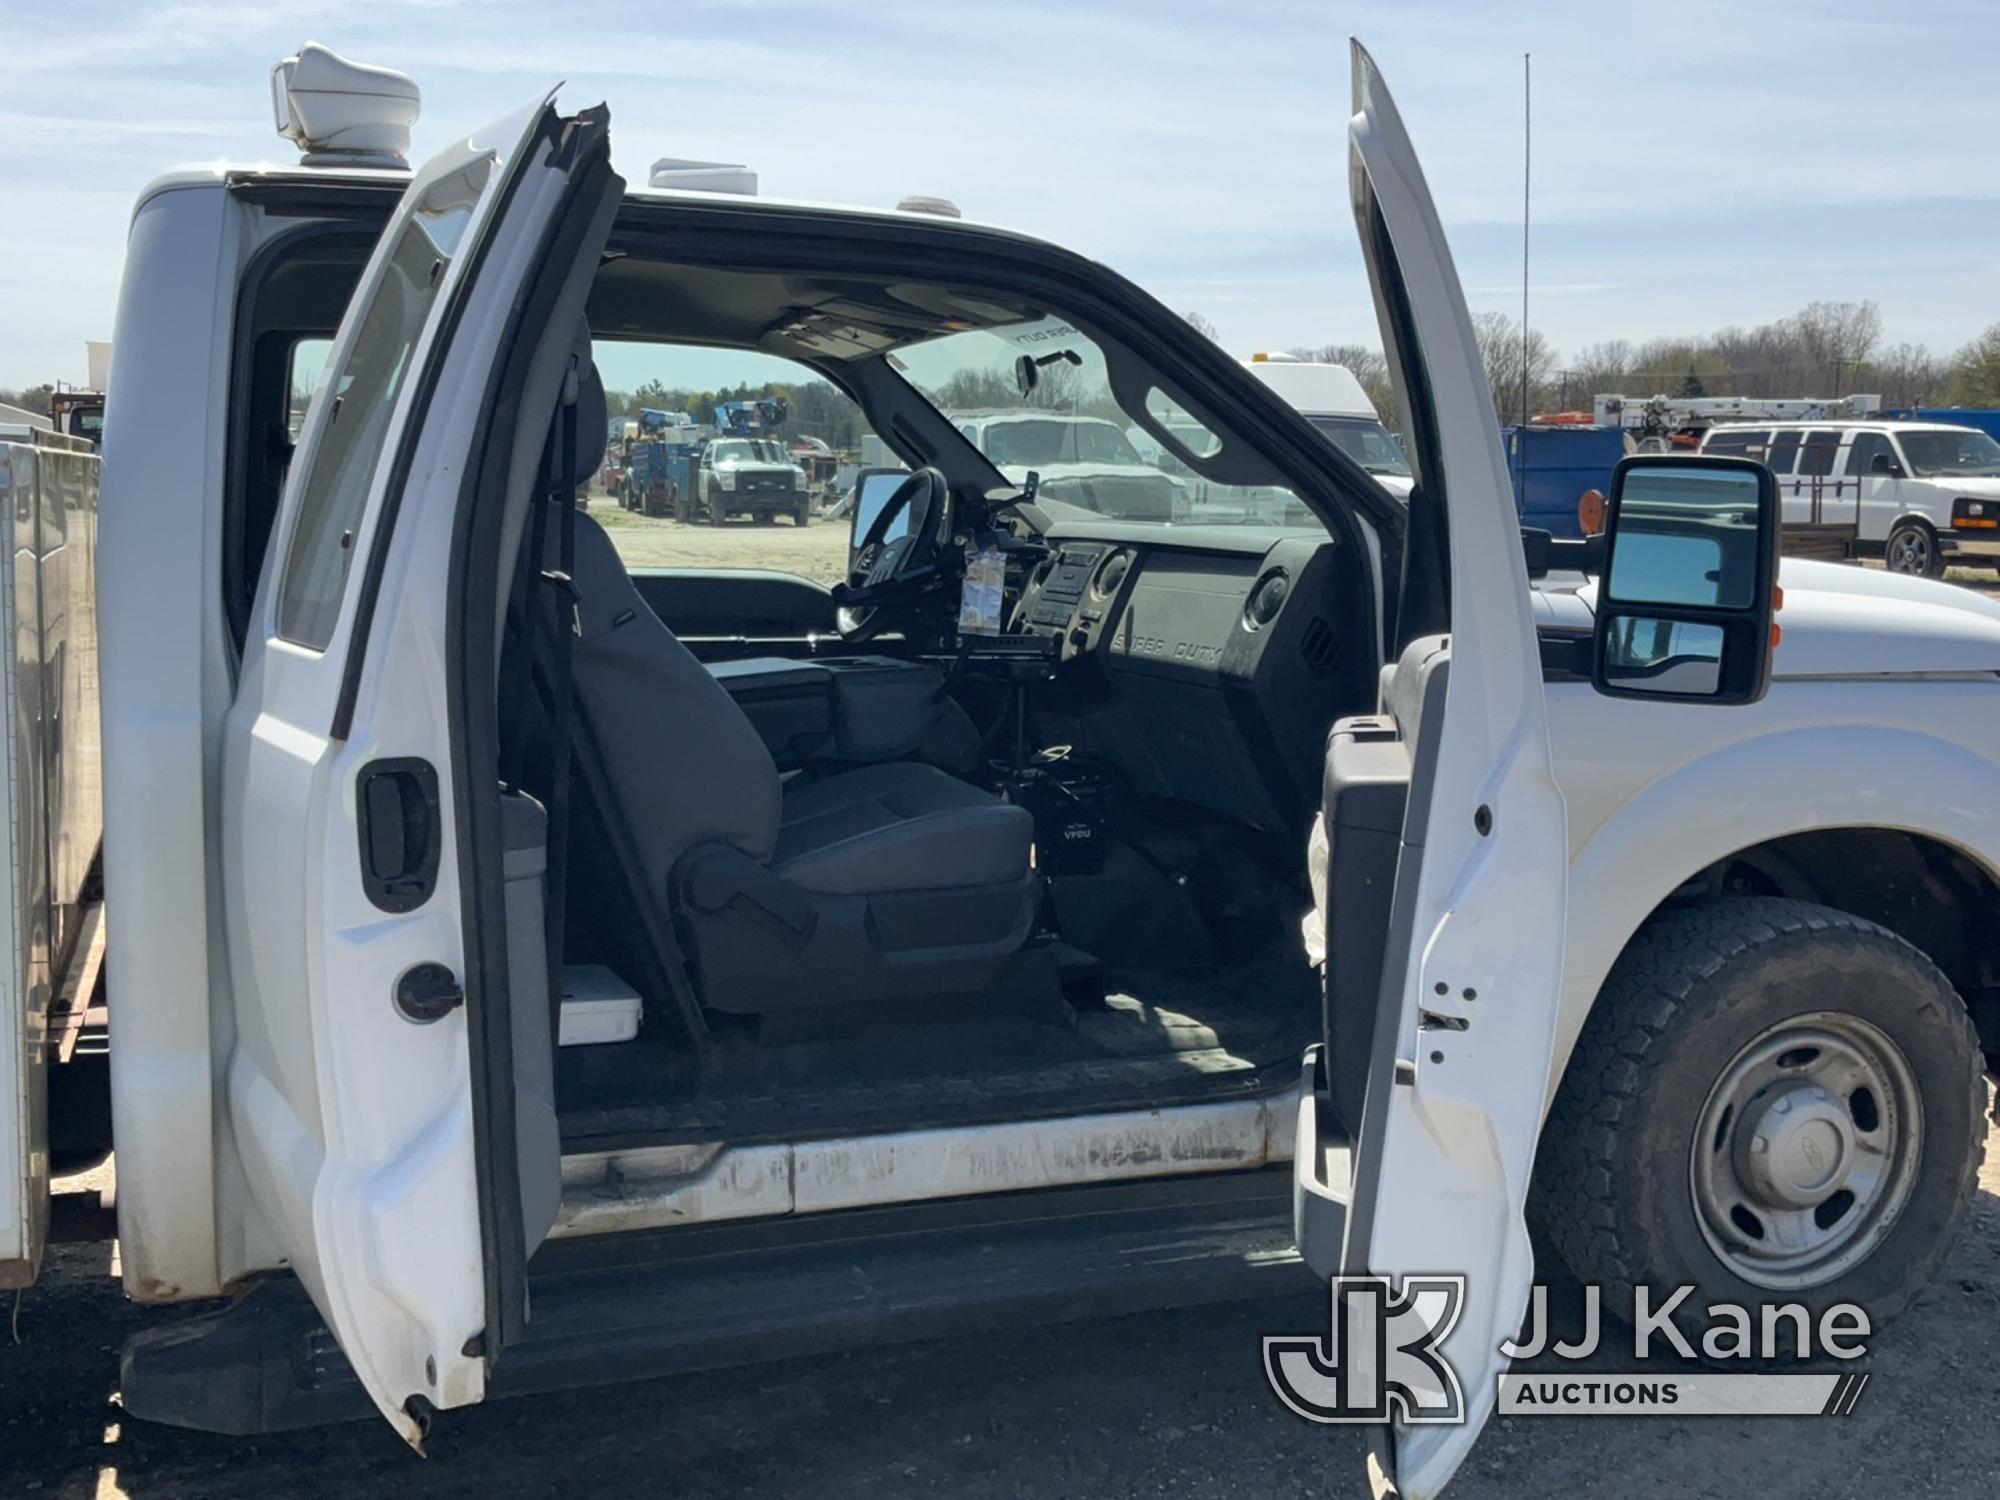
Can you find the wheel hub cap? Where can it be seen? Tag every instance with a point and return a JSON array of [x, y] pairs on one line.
[[1806, 1150], [1794, 1150]]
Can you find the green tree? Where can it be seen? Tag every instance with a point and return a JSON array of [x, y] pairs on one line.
[[1975, 376]]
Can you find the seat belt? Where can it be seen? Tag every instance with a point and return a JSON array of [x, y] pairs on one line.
[[545, 623], [565, 624]]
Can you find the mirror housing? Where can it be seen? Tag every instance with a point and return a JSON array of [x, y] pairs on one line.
[[1883, 464], [1685, 601]]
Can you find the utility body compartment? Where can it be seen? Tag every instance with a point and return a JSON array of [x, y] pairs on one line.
[[54, 821]]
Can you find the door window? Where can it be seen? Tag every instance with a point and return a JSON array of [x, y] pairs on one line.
[[361, 397], [1783, 453], [1743, 442], [754, 431], [1863, 451], [1818, 455]]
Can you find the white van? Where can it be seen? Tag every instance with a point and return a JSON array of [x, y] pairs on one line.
[[1920, 493], [1332, 399]]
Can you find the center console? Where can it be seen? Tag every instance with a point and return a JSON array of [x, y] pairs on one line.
[[1074, 596]]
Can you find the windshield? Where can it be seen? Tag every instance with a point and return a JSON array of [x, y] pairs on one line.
[[1366, 441], [1951, 452], [1038, 396], [749, 451], [1056, 440]]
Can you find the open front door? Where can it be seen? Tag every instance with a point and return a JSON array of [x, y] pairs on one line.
[[393, 1134], [1443, 977]]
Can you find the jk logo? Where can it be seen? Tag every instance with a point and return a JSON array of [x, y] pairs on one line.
[[1379, 1358]]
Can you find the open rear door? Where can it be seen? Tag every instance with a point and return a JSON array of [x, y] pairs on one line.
[[389, 1107], [1439, 1066]]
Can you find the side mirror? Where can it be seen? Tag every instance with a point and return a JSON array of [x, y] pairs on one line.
[[1885, 466], [872, 489], [1690, 576]]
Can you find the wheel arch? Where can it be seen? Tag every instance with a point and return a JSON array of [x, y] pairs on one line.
[[1919, 854]]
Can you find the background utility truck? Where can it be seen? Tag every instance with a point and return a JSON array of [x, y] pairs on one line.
[[917, 958]]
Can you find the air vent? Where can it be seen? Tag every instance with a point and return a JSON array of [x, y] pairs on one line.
[[1111, 575], [1266, 599], [1319, 647]]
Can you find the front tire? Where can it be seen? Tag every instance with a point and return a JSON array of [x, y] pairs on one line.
[[1772, 1100], [1913, 548]]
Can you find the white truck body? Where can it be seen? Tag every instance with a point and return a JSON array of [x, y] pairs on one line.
[[272, 1113]]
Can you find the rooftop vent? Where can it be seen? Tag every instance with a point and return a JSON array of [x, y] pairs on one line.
[[918, 203], [341, 113], [703, 176]]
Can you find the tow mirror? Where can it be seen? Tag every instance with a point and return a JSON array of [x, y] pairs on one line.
[[1685, 601], [872, 489]]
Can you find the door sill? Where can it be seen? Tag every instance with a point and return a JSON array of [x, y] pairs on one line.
[[663, 1187], [632, 1307]]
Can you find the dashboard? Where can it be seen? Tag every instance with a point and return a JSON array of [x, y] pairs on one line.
[[1207, 662]]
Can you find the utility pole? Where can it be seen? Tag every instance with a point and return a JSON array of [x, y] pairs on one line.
[[1527, 169]]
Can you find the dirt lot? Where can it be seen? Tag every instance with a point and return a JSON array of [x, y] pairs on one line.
[[818, 551], [1173, 1403]]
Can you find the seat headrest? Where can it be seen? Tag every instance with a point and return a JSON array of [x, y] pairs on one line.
[[592, 422]]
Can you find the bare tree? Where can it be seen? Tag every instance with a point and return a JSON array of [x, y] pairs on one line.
[[1906, 374], [1600, 369], [1202, 326], [1500, 348]]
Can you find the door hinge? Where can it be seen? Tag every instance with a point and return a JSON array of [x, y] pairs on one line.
[[401, 829], [428, 992]]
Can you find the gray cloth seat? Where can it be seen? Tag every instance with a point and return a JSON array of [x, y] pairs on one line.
[[887, 881], [897, 827]]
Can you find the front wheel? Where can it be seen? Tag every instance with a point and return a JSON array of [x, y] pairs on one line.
[[1773, 1101], [1913, 548]]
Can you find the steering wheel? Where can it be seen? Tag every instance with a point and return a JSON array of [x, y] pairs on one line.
[[896, 558]]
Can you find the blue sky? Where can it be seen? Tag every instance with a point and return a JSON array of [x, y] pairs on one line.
[[1696, 163]]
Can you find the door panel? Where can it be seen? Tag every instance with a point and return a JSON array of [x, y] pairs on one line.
[[1465, 1021], [350, 1109]]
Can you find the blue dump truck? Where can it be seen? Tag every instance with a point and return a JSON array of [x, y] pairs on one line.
[[1552, 467]]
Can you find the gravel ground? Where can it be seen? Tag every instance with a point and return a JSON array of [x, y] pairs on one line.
[[1170, 1403]]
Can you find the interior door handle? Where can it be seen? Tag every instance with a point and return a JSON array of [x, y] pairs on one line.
[[401, 829]]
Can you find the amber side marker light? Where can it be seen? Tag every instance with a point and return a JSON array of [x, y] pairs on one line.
[[1777, 630]]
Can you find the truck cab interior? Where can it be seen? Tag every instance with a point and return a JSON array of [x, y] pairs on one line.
[[911, 860]]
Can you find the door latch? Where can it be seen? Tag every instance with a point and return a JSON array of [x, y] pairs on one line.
[[428, 992], [401, 832]]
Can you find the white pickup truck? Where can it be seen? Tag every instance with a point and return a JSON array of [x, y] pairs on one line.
[[967, 965]]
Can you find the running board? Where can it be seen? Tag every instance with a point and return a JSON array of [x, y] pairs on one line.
[[657, 1187], [621, 1308]]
